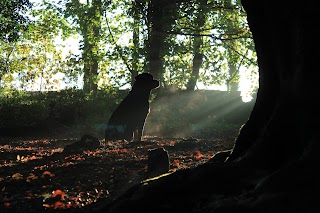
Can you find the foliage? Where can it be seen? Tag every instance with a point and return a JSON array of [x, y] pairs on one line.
[[35, 61], [13, 22], [20, 109], [225, 25], [13, 19], [115, 42], [88, 17], [46, 110]]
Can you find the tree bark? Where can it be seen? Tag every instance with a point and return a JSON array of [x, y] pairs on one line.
[[284, 105], [156, 40], [161, 17], [196, 65], [197, 44], [233, 72], [135, 38], [89, 20]]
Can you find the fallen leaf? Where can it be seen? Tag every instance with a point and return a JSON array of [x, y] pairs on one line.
[[31, 177], [68, 205], [197, 155], [175, 163], [46, 205], [172, 143], [58, 194], [47, 173], [32, 157], [17, 176]]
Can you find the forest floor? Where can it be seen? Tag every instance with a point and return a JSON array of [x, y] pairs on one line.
[[37, 176]]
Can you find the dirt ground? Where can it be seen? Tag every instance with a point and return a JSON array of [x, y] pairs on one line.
[[37, 176]]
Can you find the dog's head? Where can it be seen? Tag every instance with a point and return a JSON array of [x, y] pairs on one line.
[[146, 80]]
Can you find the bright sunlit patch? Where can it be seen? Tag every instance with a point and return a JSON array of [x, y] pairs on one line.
[[145, 182], [248, 82], [201, 86]]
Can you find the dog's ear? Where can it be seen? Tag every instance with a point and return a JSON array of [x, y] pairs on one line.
[[144, 76]]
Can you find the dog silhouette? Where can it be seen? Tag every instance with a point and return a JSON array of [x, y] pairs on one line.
[[128, 119]]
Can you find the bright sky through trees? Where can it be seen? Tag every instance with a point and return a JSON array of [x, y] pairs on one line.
[[247, 81]]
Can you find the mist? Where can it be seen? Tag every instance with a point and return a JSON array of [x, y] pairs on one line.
[[200, 113]]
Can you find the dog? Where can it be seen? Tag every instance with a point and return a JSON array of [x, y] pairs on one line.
[[128, 119]]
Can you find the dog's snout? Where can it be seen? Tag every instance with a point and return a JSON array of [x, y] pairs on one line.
[[156, 84]]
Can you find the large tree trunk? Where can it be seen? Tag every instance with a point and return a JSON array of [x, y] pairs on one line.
[[284, 106], [161, 18], [273, 166], [156, 39]]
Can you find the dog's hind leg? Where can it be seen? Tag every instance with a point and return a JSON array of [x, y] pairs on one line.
[[137, 135]]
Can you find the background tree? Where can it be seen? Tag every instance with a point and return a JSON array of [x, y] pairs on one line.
[[183, 43], [135, 39], [124, 32], [13, 21], [160, 14], [208, 51], [234, 33], [34, 61], [88, 16], [197, 44]]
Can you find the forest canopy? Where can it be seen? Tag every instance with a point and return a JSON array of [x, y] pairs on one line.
[[92, 45]]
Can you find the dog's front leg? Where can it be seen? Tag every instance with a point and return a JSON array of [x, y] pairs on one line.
[[137, 134]]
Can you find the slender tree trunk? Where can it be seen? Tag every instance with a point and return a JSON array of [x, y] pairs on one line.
[[90, 68], [89, 19], [197, 44], [232, 86], [135, 54], [196, 63]]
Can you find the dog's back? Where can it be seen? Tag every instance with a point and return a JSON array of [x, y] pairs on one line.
[[130, 115]]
